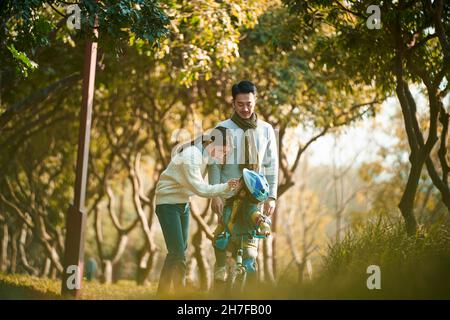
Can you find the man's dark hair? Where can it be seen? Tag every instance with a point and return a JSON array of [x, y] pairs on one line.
[[244, 86]]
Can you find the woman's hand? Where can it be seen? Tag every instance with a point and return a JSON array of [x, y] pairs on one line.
[[234, 184]]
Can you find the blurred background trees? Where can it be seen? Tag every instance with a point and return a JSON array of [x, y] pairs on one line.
[[165, 70]]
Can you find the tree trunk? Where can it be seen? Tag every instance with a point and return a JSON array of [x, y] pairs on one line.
[[46, 268], [54, 271], [22, 252], [117, 271], [260, 259], [147, 261], [273, 245], [13, 263], [268, 259], [301, 271], [190, 271], [148, 254], [107, 271], [406, 204], [204, 269], [4, 248]]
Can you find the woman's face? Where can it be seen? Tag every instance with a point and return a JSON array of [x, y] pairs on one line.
[[219, 152]]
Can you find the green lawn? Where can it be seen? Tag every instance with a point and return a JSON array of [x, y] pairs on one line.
[[412, 267], [18, 286]]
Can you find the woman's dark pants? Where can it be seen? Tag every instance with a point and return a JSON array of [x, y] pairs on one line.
[[174, 220]]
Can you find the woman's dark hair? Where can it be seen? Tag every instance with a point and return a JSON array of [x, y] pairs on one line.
[[244, 86], [214, 136]]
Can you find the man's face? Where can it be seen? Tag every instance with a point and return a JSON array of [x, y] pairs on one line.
[[244, 105]]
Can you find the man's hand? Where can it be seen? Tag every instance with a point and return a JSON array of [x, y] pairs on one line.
[[269, 207], [217, 205]]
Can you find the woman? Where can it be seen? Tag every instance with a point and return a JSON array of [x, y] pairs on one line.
[[184, 177]]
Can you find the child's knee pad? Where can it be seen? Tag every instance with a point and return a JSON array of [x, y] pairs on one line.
[[251, 247], [250, 265], [222, 240]]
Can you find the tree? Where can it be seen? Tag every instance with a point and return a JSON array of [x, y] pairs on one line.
[[411, 47]]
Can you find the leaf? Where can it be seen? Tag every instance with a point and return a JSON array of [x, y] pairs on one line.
[[25, 64]]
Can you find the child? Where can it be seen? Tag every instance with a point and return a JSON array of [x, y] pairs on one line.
[[243, 221]]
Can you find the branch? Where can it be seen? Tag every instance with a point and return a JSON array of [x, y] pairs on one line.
[[442, 153], [301, 150], [22, 251], [120, 249], [98, 232], [23, 216], [348, 10], [439, 4], [137, 203], [201, 222], [57, 11], [37, 97], [115, 220], [413, 45]]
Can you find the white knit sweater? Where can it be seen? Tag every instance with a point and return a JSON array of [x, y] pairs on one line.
[[184, 177]]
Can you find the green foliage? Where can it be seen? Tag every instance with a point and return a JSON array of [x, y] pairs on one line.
[[32, 25], [367, 55], [412, 267], [294, 87], [24, 63]]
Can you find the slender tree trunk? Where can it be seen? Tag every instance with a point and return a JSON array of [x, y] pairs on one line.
[[46, 268], [148, 254], [406, 204], [22, 252], [4, 248], [107, 271], [260, 259], [13, 264], [190, 270], [301, 271], [147, 259], [54, 271], [273, 244], [268, 259], [117, 266], [198, 242], [204, 269]]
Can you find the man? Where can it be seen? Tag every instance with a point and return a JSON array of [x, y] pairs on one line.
[[255, 149]]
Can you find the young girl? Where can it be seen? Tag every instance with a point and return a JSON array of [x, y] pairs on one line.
[[183, 178], [241, 224]]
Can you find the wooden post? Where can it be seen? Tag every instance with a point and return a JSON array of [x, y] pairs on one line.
[[76, 215]]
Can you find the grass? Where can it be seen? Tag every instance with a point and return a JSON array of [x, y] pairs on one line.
[[415, 267], [19, 286]]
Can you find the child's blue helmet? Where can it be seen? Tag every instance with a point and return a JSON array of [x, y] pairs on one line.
[[256, 184]]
